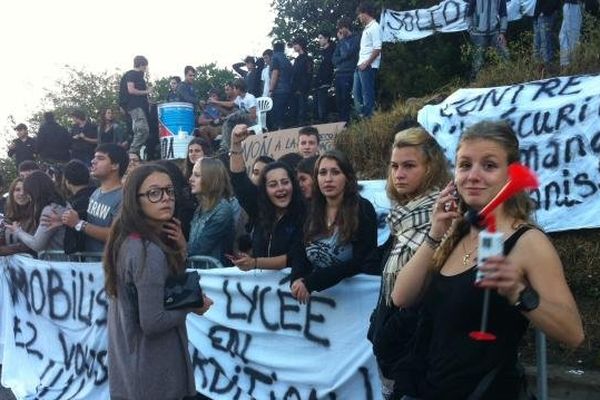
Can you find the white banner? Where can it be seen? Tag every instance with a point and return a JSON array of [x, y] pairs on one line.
[[557, 122], [256, 342], [55, 343], [374, 191], [448, 16]]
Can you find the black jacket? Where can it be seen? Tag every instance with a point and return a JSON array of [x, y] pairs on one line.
[[23, 150], [364, 244], [324, 76], [284, 238], [53, 142]]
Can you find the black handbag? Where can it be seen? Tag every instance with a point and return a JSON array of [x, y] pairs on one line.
[[183, 291]]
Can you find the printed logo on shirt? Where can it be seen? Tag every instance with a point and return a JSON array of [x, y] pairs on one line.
[[98, 210]]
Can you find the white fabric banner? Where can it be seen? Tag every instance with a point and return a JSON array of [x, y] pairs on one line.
[[448, 16], [557, 122], [55, 329], [374, 191], [256, 342]]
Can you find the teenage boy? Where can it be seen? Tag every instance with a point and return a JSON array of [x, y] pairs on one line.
[[84, 137], [133, 98], [23, 147], [369, 59], [246, 111], [108, 167], [308, 141]]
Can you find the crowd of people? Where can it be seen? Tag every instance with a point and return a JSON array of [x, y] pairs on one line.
[[305, 212], [148, 220]]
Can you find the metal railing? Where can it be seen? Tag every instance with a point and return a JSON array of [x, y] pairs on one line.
[[203, 262], [59, 255]]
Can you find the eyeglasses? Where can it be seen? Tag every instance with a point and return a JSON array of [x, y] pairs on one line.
[[155, 195]]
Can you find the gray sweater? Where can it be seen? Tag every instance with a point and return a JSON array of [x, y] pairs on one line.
[[44, 238], [147, 345]]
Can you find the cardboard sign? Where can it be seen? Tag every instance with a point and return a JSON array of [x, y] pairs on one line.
[[277, 143]]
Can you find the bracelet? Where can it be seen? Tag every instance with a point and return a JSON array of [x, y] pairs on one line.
[[431, 242], [235, 152]]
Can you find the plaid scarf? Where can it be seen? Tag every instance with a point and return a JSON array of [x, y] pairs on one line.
[[409, 223]]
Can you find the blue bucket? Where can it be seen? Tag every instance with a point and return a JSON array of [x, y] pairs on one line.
[[175, 117]]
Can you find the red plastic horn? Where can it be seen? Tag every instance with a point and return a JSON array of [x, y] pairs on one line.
[[520, 178]]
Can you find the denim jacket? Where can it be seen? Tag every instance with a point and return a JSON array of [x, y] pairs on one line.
[[345, 55], [212, 233]]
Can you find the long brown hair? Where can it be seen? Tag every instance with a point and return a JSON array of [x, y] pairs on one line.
[[437, 174], [188, 166], [132, 220], [518, 207], [215, 184], [16, 213], [347, 218], [42, 191]]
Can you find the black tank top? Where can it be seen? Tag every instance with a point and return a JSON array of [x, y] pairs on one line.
[[456, 363]]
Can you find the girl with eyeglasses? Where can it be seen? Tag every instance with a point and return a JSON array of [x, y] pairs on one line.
[[212, 229], [147, 345]]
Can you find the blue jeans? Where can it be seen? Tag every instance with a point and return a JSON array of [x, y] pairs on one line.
[[364, 91], [280, 104], [542, 38], [343, 95], [481, 43], [570, 31]]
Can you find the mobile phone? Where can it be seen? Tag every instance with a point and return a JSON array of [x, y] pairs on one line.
[[452, 205]]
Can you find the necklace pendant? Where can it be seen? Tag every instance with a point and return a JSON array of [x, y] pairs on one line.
[[466, 259]]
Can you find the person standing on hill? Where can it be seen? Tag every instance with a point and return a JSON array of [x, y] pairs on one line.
[[543, 23], [133, 98], [84, 137], [53, 141], [324, 75], [369, 60], [23, 147], [186, 91], [345, 57], [570, 30], [280, 85], [302, 71], [487, 21]]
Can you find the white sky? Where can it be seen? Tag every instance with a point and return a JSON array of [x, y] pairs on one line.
[[40, 37]]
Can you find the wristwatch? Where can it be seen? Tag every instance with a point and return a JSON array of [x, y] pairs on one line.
[[528, 300], [80, 227]]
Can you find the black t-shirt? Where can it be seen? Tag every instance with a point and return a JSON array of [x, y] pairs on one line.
[[23, 150], [135, 101], [302, 73], [80, 149]]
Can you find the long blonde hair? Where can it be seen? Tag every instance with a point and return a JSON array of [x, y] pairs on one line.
[[215, 184], [437, 174], [518, 207]]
